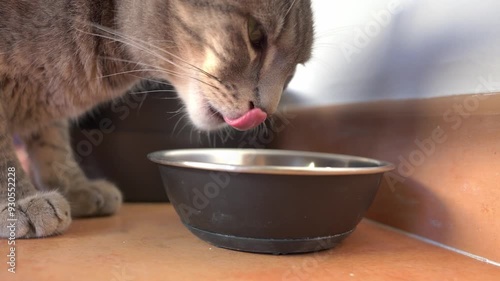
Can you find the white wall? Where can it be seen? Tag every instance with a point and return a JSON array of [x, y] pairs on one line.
[[392, 49]]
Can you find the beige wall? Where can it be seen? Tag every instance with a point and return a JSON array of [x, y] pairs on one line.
[[447, 151]]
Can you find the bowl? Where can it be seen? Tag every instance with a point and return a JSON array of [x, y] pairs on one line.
[[269, 201]]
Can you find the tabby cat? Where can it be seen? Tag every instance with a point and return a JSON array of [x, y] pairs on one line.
[[229, 60]]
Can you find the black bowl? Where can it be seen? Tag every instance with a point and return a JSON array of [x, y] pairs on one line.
[[269, 201]]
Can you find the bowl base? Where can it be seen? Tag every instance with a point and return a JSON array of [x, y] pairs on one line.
[[269, 246]]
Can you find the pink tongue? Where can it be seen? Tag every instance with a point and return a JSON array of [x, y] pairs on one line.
[[250, 120]]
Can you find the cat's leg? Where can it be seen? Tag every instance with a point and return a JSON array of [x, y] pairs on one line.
[[55, 168], [24, 211]]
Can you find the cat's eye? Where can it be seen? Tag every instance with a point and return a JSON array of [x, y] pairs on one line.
[[256, 34]]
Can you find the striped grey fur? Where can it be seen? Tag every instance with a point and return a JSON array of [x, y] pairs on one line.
[[61, 58]]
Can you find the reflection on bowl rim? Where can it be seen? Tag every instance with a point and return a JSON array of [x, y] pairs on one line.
[[381, 166]]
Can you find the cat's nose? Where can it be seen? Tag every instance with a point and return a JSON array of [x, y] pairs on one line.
[[253, 118]]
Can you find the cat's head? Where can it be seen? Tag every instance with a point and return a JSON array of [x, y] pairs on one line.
[[231, 60]]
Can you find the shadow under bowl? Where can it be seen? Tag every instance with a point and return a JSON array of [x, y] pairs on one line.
[[269, 201]]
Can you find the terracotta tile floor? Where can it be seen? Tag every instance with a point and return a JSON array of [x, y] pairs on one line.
[[148, 242]]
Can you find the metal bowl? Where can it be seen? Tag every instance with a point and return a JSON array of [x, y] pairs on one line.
[[269, 201]]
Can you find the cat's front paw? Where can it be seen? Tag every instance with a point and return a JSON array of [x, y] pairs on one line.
[[40, 215], [94, 198]]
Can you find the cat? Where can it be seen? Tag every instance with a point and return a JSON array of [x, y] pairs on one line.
[[229, 61]]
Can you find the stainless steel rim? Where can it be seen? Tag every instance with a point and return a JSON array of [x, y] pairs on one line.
[[166, 157]]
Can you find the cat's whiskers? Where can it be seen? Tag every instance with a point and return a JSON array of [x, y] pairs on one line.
[[155, 81], [177, 74], [137, 63], [146, 44], [139, 44], [264, 129], [127, 72], [177, 124], [140, 104], [173, 134], [176, 113], [207, 135], [290, 9], [158, 91], [227, 131], [145, 70], [191, 135], [125, 40], [133, 44]]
